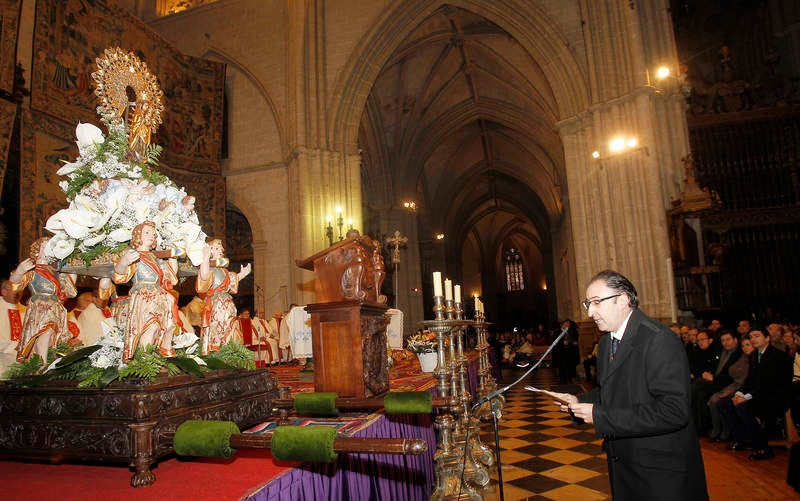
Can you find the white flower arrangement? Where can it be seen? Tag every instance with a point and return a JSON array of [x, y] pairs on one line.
[[109, 194]]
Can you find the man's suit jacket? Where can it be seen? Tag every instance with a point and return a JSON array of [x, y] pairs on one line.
[[770, 383], [642, 410]]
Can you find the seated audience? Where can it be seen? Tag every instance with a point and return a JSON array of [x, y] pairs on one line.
[[729, 376], [776, 336], [703, 363], [743, 327], [714, 328], [764, 395]]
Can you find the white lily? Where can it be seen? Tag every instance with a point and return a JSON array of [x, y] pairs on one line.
[[54, 224], [142, 210], [69, 168], [78, 222], [88, 136], [121, 234], [184, 340], [59, 247], [92, 241], [189, 231]]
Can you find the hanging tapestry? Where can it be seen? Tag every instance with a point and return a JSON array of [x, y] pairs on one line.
[[9, 30], [71, 34]]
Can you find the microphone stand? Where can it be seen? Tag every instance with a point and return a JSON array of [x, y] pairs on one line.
[[493, 396]]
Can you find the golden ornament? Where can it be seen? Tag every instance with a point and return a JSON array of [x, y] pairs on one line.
[[120, 73]]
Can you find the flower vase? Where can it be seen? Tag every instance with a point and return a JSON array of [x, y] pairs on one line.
[[428, 361]]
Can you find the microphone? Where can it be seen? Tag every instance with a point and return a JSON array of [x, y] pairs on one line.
[[504, 389]]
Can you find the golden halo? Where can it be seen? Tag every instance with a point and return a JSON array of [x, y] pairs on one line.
[[117, 71]]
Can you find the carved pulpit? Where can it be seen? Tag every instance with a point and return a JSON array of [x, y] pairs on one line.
[[348, 321]]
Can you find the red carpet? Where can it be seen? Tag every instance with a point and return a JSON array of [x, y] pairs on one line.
[[198, 480], [195, 479]]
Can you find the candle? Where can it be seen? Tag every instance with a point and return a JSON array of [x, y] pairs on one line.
[[437, 283], [448, 289], [478, 305], [457, 290]]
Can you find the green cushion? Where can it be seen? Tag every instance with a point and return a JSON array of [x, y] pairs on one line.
[[316, 404], [205, 438], [304, 443], [408, 402]]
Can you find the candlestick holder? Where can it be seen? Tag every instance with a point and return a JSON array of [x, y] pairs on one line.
[[454, 475]]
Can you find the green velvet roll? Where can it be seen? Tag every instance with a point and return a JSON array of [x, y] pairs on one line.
[[316, 404], [304, 443], [205, 438], [408, 402]]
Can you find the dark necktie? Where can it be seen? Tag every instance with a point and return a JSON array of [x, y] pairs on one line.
[[614, 346]]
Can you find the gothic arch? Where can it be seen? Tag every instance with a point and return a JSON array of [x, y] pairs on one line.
[[526, 22], [221, 56]]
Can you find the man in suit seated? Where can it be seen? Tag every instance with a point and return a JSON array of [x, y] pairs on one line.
[[703, 363], [764, 395]]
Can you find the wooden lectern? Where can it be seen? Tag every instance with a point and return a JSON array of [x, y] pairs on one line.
[[348, 321]]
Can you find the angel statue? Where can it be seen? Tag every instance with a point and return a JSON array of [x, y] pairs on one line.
[[215, 284], [46, 318], [150, 308]]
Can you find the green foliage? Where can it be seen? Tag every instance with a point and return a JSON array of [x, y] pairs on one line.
[[188, 365], [78, 355], [24, 369], [234, 355], [156, 177], [116, 144], [146, 363], [153, 152], [83, 177]]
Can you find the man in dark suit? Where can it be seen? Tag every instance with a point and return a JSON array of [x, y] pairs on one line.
[[641, 405]]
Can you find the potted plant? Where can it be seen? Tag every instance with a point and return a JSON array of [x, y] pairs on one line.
[[424, 344]]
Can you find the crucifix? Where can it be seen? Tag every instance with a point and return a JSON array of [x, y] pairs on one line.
[[395, 241]]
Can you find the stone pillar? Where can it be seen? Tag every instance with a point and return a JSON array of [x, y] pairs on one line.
[[319, 181]]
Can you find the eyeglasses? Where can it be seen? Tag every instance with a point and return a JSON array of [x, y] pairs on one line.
[[588, 302]]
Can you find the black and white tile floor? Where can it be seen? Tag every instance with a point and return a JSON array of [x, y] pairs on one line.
[[544, 455]]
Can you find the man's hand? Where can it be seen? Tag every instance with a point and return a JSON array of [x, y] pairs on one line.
[[738, 400], [707, 376], [582, 411]]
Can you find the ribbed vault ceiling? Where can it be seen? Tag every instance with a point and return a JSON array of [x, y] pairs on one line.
[[461, 119]]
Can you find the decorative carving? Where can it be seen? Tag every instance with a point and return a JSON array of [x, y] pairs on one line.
[[373, 346], [132, 422], [352, 269]]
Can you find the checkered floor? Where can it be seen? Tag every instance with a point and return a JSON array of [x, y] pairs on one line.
[[544, 455]]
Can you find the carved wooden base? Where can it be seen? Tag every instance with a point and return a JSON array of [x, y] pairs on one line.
[[349, 342], [127, 422]]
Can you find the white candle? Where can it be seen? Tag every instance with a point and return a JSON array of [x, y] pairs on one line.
[[437, 283], [478, 304], [457, 290], [448, 289]]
